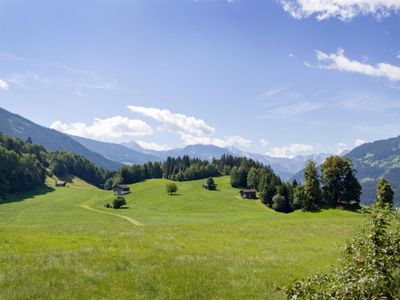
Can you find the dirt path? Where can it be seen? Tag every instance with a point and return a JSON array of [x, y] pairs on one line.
[[113, 214]]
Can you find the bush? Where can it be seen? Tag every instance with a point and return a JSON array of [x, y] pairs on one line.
[[211, 184], [118, 202], [369, 268], [279, 203], [171, 188]]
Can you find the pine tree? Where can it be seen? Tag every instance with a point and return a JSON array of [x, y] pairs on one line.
[[384, 193], [312, 189]]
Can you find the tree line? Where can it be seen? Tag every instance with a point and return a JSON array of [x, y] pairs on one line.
[[334, 186], [24, 166], [185, 169]]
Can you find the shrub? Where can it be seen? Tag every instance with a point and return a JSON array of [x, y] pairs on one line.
[[118, 202], [369, 268], [279, 203], [171, 188], [211, 184]]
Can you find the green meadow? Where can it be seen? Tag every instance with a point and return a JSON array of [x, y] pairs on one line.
[[197, 244]]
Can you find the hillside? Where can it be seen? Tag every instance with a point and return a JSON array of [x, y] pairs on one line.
[[190, 246], [116, 152], [372, 161], [17, 126]]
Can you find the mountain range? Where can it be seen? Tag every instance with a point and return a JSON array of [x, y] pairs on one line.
[[17, 126], [371, 160], [112, 156]]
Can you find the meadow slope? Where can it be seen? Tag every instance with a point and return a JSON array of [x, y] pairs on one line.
[[198, 244]]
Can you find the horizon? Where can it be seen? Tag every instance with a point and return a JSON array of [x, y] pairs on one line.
[[277, 78]]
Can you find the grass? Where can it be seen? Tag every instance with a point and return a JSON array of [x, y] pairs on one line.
[[198, 244]]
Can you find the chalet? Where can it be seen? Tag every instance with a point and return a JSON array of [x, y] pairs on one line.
[[121, 189], [248, 194], [209, 187], [61, 183]]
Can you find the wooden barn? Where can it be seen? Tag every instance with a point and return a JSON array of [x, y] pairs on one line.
[[121, 189], [61, 183], [248, 194]]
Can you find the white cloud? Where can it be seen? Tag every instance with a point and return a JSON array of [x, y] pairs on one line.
[[341, 9], [264, 142], [190, 129], [286, 101], [398, 55], [175, 121], [338, 61], [3, 85], [154, 146], [359, 142], [290, 151], [340, 148], [220, 142], [114, 128], [9, 56]]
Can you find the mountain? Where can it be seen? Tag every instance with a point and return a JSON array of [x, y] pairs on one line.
[[284, 167], [205, 152], [117, 152], [372, 161], [17, 126]]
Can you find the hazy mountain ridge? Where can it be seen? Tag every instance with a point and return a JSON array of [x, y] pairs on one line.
[[116, 152], [17, 126]]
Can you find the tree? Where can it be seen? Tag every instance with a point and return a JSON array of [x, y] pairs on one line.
[[279, 203], [369, 267], [171, 188], [340, 185], [312, 189], [384, 193], [266, 190], [352, 190], [108, 185], [211, 183], [253, 178], [299, 197], [238, 177], [118, 202]]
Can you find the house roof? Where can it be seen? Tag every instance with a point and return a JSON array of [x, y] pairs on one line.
[[122, 186], [249, 191]]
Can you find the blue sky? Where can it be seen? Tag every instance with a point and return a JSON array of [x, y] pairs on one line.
[[276, 77]]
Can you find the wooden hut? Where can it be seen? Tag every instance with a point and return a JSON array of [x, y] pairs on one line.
[[248, 194], [121, 189], [61, 183]]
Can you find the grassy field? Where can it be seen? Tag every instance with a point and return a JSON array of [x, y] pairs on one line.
[[197, 244]]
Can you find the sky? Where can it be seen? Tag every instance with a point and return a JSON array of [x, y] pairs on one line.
[[276, 77]]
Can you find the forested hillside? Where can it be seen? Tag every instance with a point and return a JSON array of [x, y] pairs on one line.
[[17, 126], [374, 160], [24, 166]]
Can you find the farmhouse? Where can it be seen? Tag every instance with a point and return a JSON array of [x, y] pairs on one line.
[[121, 189], [248, 194], [210, 187], [61, 183]]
